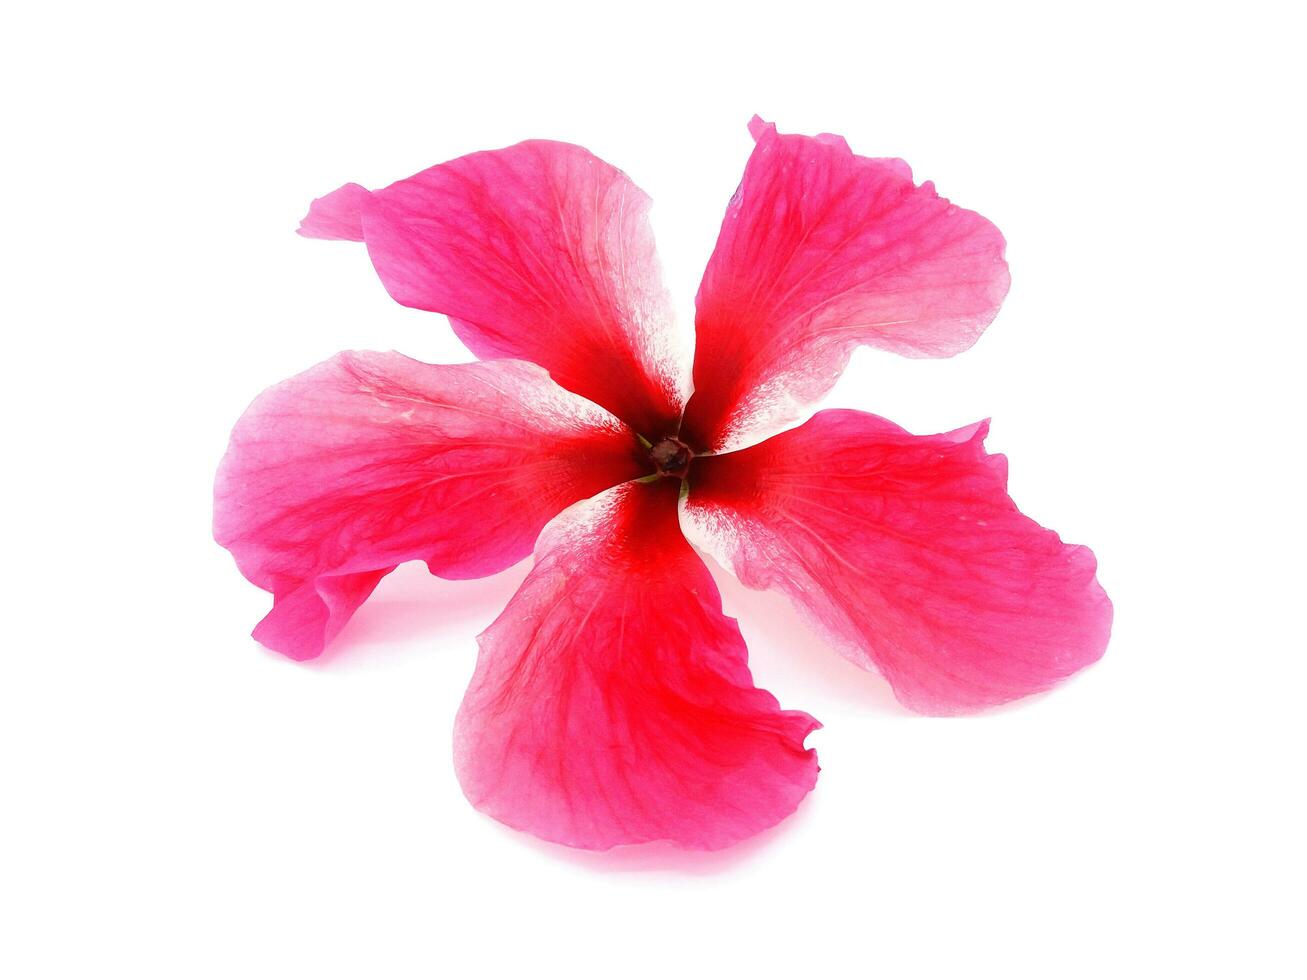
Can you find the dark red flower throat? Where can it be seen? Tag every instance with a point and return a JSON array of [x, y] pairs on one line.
[[671, 457]]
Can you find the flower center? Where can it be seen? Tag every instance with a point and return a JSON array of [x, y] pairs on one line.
[[671, 457]]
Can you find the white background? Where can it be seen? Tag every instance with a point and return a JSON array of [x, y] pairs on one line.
[[178, 802]]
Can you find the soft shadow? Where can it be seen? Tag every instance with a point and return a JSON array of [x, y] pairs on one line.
[[411, 603], [662, 856], [775, 631]]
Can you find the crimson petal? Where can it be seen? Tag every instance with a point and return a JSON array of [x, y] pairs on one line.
[[368, 460], [612, 702], [821, 251], [540, 251], [907, 551]]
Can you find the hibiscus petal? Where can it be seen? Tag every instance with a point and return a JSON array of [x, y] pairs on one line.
[[540, 251], [368, 460], [907, 551], [612, 702], [336, 216], [821, 251]]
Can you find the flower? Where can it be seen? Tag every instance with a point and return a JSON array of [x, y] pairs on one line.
[[612, 701]]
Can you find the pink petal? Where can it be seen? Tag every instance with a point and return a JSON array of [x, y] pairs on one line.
[[822, 251], [540, 251], [612, 701], [336, 216], [907, 551], [368, 460]]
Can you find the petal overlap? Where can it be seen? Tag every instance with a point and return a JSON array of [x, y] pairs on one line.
[[369, 460], [540, 251], [612, 702], [821, 251], [908, 553]]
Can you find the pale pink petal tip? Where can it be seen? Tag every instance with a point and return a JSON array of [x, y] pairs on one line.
[[612, 702], [908, 553], [337, 216], [302, 623]]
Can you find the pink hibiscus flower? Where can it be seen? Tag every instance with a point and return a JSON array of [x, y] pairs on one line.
[[612, 701]]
